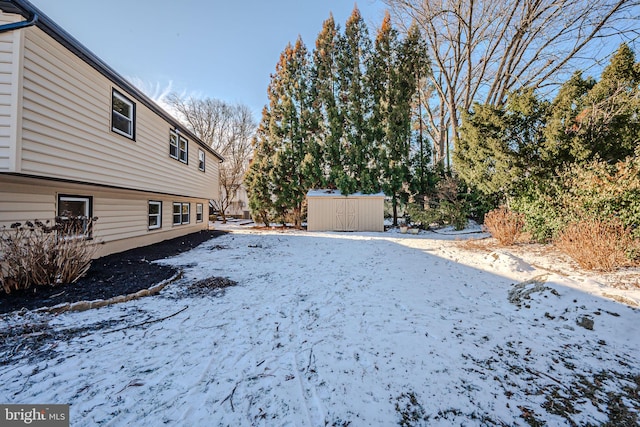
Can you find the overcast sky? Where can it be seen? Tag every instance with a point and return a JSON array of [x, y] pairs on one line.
[[224, 49]]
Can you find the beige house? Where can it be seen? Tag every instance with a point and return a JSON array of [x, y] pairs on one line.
[[329, 210], [76, 137], [239, 206]]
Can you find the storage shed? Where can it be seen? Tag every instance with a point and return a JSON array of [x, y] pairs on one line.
[[329, 210]]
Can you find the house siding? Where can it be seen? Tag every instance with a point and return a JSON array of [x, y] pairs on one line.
[[67, 109], [56, 139], [122, 214], [10, 43]]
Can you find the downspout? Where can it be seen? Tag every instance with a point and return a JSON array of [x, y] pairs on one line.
[[18, 25]]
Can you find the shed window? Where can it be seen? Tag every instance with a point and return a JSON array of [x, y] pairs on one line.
[[155, 215], [122, 115]]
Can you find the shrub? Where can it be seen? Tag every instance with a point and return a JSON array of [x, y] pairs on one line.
[[540, 205], [504, 225], [598, 244], [453, 209], [592, 189], [454, 214], [39, 254], [600, 190]]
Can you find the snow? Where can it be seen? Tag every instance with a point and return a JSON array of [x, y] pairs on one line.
[[358, 329], [337, 193]]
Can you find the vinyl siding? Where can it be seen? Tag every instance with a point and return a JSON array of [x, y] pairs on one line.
[[8, 88], [122, 215], [67, 133]]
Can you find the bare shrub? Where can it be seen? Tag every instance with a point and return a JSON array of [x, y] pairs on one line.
[[599, 245], [504, 225], [40, 254]]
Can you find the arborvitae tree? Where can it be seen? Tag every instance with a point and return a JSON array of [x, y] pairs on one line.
[[416, 69], [259, 187], [290, 126], [343, 121], [354, 102], [380, 79], [392, 82], [324, 92]]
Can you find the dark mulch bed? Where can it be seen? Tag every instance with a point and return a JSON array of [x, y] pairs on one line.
[[110, 276]]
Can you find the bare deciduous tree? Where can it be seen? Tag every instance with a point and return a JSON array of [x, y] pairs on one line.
[[482, 50], [228, 129]]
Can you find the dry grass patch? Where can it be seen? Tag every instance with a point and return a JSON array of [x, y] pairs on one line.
[[485, 245], [599, 245]]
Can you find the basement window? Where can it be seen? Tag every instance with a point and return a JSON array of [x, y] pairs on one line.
[[74, 213], [180, 213], [155, 214], [199, 212]]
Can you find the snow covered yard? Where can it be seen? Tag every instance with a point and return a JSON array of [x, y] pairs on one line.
[[345, 329]]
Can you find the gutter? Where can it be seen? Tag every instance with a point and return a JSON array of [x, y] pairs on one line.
[[18, 25]]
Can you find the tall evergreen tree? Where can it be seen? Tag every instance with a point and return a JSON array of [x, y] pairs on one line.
[[416, 70], [257, 182], [324, 93], [290, 126], [342, 120], [390, 120], [354, 101], [393, 75]]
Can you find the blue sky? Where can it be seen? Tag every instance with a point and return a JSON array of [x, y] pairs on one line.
[[224, 49]]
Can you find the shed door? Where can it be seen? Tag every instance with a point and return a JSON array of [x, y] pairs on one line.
[[346, 218]]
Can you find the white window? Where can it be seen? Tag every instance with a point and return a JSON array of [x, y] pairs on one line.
[[155, 214], [122, 115], [201, 158], [74, 212], [180, 213], [185, 213], [199, 216], [178, 147], [177, 210]]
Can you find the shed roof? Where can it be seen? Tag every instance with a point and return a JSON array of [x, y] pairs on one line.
[[46, 24], [338, 193]]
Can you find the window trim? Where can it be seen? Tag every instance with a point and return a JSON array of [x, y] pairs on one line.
[[132, 119], [158, 215], [202, 158], [181, 213], [199, 212], [175, 142]]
